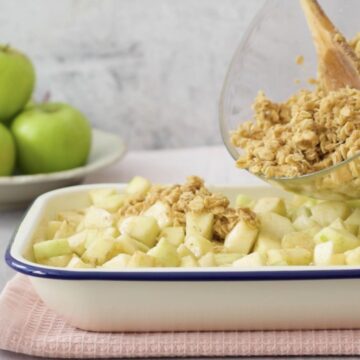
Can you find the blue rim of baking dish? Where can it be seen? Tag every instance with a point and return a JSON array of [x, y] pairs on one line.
[[151, 275]]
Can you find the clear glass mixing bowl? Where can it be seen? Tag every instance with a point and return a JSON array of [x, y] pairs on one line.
[[265, 60]]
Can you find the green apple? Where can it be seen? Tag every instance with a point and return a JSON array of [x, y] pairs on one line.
[[7, 151], [17, 80], [51, 137]]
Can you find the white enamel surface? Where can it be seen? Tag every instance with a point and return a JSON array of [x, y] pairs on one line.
[[185, 305], [17, 191]]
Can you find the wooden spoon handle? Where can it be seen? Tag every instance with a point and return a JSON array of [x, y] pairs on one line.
[[338, 65]]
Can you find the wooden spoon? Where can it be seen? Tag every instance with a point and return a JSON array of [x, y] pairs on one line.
[[338, 66]]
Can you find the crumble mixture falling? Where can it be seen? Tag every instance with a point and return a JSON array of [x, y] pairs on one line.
[[309, 132]]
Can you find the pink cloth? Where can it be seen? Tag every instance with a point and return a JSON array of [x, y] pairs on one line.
[[27, 326]]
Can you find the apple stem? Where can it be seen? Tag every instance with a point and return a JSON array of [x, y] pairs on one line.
[[46, 97]]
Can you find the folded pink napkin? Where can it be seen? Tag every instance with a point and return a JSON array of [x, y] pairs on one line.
[[27, 326]]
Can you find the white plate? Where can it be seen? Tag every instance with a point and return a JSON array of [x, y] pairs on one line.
[[176, 299], [18, 191]]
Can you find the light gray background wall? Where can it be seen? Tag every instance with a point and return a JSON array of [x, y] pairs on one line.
[[150, 70]]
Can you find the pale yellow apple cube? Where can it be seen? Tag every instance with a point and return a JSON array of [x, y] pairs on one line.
[[207, 260], [118, 262], [198, 245], [326, 212], [270, 204], [165, 253], [201, 224], [139, 259], [175, 235], [254, 259], [161, 213], [241, 238], [138, 186]]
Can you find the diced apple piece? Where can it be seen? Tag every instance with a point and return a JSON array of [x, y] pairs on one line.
[[352, 257], [241, 238], [201, 224], [338, 224], [352, 223], [51, 229], [118, 262], [254, 259], [161, 212], [51, 248], [298, 256], [138, 186], [111, 203], [343, 240], [98, 250], [270, 204], [277, 257], [175, 235], [165, 253], [97, 195], [299, 200], [222, 259], [301, 211], [77, 242], [183, 251], [328, 211], [303, 222], [198, 245], [188, 261], [126, 244], [139, 259], [299, 239], [243, 201], [274, 225], [324, 255], [265, 243], [72, 217], [97, 218], [64, 230], [56, 261], [207, 260], [142, 228], [77, 263]]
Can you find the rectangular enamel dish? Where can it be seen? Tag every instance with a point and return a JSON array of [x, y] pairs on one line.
[[160, 299]]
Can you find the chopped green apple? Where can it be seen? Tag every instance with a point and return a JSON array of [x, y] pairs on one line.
[[165, 253], [299, 239], [188, 261], [201, 224], [198, 245], [326, 212], [51, 248], [97, 218], [77, 263], [241, 238], [264, 243], [51, 229], [303, 222], [117, 262], [175, 235], [352, 257], [343, 240], [71, 216], [254, 259], [138, 186], [56, 261], [161, 212], [128, 245], [107, 199], [324, 255], [222, 259], [352, 223], [244, 201], [338, 224], [270, 204], [183, 251], [98, 251], [276, 257], [142, 228], [64, 230], [207, 260], [97, 195], [274, 225], [139, 259]]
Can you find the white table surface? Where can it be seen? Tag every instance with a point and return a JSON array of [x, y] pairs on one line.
[[165, 166]]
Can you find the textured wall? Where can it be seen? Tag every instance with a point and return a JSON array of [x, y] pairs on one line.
[[151, 70]]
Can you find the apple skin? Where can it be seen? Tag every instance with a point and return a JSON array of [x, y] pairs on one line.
[[7, 152], [17, 81], [51, 137]]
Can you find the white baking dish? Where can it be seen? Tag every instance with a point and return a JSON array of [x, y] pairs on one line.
[[158, 299]]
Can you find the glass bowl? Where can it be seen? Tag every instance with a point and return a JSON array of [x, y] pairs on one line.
[[265, 60]]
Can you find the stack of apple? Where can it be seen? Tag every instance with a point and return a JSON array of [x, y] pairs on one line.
[[38, 138], [298, 232]]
